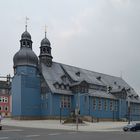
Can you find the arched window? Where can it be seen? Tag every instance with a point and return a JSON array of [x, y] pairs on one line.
[[6, 108], [23, 43], [28, 44], [44, 50]]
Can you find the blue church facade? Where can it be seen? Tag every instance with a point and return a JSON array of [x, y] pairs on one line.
[[43, 89]]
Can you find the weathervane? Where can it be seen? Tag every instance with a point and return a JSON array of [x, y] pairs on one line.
[[26, 19]]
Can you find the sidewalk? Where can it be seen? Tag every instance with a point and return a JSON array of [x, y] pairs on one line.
[[55, 124]]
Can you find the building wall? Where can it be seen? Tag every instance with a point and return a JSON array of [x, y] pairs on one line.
[[26, 93], [134, 111], [5, 101], [87, 107], [122, 109], [16, 95], [27, 101], [51, 106], [5, 105]]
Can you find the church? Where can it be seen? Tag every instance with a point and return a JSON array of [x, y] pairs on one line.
[[42, 88]]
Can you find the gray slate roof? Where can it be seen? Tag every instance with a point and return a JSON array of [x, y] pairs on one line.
[[54, 74]]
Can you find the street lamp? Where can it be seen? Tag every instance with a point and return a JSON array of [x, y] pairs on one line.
[[77, 110], [60, 112], [129, 113]]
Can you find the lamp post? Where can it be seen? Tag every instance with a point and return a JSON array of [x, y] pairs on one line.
[[77, 110], [60, 112], [129, 113]]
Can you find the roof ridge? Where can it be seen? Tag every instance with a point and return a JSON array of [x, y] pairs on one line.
[[89, 70]]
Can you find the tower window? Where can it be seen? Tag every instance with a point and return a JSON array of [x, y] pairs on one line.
[[28, 44], [44, 50], [24, 43], [48, 51]]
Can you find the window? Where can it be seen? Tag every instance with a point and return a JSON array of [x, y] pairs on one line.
[[44, 105], [85, 98], [62, 87], [105, 104], [111, 105], [0, 108], [44, 50], [115, 106], [94, 103], [78, 73], [28, 44], [24, 43], [6, 108], [99, 104], [6, 100], [64, 78], [44, 96], [48, 51], [3, 91], [3, 99], [67, 87], [65, 101]]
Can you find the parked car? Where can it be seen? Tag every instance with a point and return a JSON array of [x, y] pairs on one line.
[[132, 127]]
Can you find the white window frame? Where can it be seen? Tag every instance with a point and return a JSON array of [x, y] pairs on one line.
[[65, 101]]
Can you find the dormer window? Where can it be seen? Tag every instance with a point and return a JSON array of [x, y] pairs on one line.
[[78, 73], [62, 87], [56, 85], [99, 78], [119, 87], [136, 96], [63, 78], [67, 87], [130, 96]]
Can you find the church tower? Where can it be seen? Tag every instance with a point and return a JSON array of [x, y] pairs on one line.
[[45, 52], [26, 81]]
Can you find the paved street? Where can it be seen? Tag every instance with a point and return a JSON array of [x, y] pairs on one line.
[[55, 124], [54, 130], [20, 133]]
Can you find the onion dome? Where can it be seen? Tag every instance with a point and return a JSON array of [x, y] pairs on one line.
[[45, 42], [25, 56], [26, 35]]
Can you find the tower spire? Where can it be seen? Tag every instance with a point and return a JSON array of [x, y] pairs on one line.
[[45, 30], [26, 19]]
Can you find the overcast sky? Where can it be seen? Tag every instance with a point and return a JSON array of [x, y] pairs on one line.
[[98, 35]]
